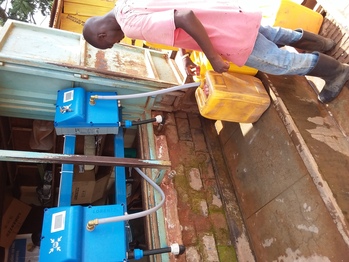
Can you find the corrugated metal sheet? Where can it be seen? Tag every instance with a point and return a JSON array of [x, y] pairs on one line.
[[70, 15], [36, 62]]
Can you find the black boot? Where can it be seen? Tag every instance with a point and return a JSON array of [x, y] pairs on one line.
[[335, 75], [313, 42]]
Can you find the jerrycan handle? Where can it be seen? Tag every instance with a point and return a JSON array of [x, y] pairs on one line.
[[201, 97]]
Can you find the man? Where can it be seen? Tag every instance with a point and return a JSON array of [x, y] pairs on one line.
[[224, 32]]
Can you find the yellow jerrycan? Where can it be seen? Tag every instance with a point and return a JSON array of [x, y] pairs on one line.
[[232, 97]]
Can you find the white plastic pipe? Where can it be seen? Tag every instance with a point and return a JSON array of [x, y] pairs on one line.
[[138, 214], [151, 93]]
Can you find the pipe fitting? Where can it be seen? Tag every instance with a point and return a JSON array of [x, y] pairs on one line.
[[93, 100], [92, 224]]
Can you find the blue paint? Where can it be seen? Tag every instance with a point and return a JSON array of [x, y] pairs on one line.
[[120, 175], [64, 234], [67, 173], [65, 237], [76, 115]]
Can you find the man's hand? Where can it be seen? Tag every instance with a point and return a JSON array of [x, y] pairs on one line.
[[187, 20], [219, 65], [190, 67]]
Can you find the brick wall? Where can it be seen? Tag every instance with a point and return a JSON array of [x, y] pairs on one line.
[[193, 211]]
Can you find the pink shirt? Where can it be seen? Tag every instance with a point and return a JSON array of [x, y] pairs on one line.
[[232, 31]]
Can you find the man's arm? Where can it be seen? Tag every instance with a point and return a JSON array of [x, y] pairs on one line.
[[187, 20], [190, 67]]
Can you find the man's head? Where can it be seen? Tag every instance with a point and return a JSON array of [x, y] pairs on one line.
[[102, 31]]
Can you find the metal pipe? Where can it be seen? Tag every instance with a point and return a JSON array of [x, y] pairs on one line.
[[36, 157]]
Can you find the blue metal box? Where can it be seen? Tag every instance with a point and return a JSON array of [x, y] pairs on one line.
[[65, 237], [61, 234], [76, 116]]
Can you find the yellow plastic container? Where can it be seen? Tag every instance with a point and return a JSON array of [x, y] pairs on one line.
[[134, 42], [201, 60], [161, 46], [232, 97], [289, 14]]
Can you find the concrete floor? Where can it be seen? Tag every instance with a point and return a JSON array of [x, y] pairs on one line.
[[281, 182]]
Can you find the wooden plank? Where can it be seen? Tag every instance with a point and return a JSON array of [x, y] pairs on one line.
[[332, 29], [8, 169], [21, 138], [72, 22], [85, 10], [337, 10], [107, 3]]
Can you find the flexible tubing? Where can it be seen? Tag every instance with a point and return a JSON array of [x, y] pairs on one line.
[[151, 93], [138, 214]]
